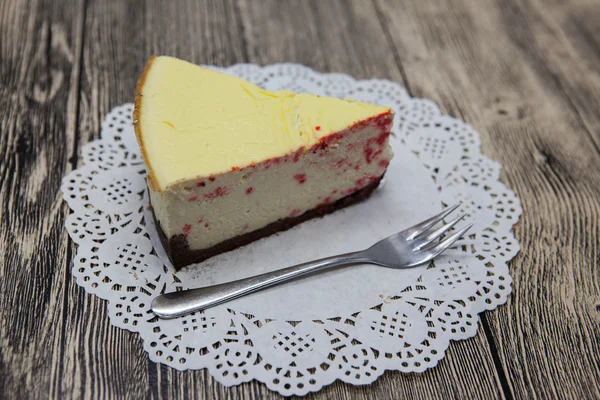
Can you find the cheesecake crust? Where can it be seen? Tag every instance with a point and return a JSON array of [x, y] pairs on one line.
[[180, 254]]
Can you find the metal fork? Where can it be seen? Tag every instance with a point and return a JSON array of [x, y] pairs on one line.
[[413, 246]]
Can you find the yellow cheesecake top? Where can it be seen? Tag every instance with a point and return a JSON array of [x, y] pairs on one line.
[[192, 122]]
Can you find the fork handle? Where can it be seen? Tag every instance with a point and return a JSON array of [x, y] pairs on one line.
[[175, 304]]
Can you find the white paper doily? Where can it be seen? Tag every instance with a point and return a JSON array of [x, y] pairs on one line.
[[350, 324]]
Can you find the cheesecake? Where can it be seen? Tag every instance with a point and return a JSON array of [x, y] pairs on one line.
[[229, 162]]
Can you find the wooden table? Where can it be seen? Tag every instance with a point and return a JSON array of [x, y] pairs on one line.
[[525, 74]]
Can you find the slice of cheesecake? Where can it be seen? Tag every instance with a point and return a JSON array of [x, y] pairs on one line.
[[229, 163]]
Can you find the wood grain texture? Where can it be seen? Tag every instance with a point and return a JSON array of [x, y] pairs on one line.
[[40, 67], [524, 74], [514, 72]]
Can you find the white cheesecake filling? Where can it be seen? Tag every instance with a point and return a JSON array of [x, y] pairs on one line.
[[211, 210]]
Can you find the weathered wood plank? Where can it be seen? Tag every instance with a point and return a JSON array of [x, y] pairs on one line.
[[570, 39], [99, 360], [40, 56], [527, 82], [303, 32]]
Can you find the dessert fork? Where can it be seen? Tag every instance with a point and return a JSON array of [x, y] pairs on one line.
[[414, 246]]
